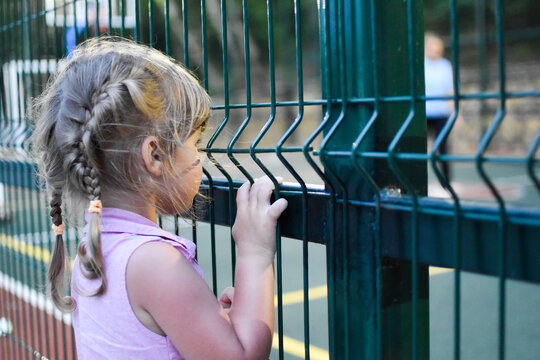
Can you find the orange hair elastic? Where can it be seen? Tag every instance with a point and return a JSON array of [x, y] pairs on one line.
[[95, 207], [58, 229]]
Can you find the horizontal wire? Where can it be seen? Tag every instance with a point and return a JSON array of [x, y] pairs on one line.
[[386, 99], [426, 156]]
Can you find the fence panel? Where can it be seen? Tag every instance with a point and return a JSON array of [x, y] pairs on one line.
[[331, 96]]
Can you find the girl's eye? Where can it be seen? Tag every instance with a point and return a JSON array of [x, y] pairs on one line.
[[199, 145]]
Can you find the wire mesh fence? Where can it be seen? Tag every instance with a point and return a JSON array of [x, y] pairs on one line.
[[331, 95]]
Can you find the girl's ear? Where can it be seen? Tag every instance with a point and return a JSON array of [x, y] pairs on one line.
[[151, 155]]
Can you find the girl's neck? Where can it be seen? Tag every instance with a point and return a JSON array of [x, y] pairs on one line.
[[130, 202]]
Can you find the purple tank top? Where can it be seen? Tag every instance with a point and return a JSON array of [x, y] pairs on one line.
[[106, 326]]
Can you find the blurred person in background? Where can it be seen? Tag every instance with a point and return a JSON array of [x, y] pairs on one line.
[[439, 82]]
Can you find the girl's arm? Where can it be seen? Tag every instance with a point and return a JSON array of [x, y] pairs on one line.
[[165, 291]]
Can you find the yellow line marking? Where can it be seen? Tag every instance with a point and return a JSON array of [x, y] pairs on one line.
[[433, 270], [295, 297], [30, 250], [296, 348], [36, 252]]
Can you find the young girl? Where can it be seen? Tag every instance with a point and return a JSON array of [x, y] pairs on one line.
[[116, 133]]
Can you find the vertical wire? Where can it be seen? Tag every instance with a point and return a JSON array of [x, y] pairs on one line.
[[530, 161], [28, 235], [342, 65], [410, 188], [75, 24], [34, 313], [14, 272], [31, 237], [64, 30], [224, 40], [151, 41], [55, 34], [123, 17], [40, 218], [262, 133], [445, 182], [194, 233], [21, 269], [220, 128], [16, 258], [355, 158], [6, 298], [137, 21], [97, 17], [13, 311], [55, 330], [457, 207], [67, 244], [37, 243], [21, 86], [300, 116], [86, 19], [176, 225], [186, 64], [212, 219], [43, 240], [212, 210], [204, 44], [482, 147], [185, 33], [5, 62], [64, 53], [481, 44], [4, 345], [167, 29], [109, 28], [326, 75], [247, 119]]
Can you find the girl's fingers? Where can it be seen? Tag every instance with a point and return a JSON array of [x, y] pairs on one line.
[[262, 190], [227, 297], [242, 196], [277, 208]]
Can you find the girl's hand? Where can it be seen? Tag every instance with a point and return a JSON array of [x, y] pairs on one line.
[[254, 229], [226, 299]]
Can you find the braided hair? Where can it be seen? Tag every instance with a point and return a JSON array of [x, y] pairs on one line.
[[90, 122]]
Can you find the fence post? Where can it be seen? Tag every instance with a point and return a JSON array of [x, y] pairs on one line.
[[372, 66]]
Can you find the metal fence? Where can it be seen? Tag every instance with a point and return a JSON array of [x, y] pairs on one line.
[[329, 95]]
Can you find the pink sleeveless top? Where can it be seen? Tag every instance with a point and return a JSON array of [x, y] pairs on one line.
[[106, 326]]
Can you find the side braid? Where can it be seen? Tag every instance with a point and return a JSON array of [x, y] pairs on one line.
[[58, 263], [90, 254]]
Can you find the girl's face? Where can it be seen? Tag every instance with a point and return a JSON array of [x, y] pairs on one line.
[[188, 167]]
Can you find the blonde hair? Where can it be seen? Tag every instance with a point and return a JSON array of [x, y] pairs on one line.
[[107, 97]]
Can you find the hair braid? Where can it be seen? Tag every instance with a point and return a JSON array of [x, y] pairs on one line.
[[58, 262], [91, 261]]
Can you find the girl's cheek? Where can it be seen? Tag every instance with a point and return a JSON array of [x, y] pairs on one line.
[[199, 176]]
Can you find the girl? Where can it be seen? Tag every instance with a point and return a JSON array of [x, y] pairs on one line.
[[116, 132]]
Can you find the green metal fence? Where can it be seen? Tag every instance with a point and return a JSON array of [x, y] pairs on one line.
[[330, 95]]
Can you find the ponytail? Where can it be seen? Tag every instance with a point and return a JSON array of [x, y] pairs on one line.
[[57, 267], [91, 262]]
